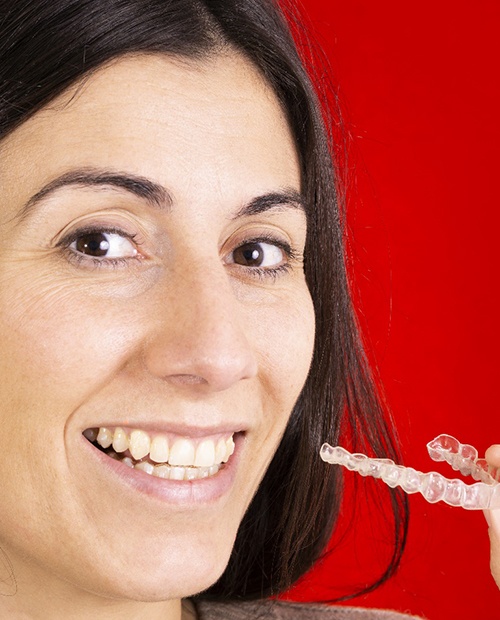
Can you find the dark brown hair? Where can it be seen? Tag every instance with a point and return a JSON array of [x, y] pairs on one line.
[[46, 46]]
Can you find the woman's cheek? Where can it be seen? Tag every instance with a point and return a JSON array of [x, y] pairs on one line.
[[60, 343], [287, 340]]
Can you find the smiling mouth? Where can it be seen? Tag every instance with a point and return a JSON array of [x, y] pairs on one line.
[[178, 458]]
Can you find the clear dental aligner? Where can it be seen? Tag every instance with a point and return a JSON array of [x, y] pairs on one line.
[[484, 494]]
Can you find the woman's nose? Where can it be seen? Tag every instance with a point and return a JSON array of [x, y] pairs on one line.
[[203, 340]]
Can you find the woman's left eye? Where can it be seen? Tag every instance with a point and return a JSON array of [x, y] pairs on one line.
[[104, 245], [258, 254]]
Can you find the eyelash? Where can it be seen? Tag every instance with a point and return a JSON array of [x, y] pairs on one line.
[[261, 273]]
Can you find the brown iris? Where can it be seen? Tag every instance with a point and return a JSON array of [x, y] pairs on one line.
[[93, 244], [250, 254]]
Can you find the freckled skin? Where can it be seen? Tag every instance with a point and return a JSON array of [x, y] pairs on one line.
[[183, 335]]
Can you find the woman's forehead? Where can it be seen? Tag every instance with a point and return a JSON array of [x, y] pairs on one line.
[[177, 122]]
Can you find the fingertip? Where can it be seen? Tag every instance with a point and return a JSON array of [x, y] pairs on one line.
[[492, 455]]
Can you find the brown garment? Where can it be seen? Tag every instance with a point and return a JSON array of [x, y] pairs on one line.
[[280, 610]]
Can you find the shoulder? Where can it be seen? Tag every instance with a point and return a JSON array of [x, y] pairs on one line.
[[280, 610]]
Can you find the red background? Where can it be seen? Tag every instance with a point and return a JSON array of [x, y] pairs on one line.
[[419, 88]]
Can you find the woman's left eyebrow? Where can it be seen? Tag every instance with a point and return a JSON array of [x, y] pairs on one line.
[[283, 199]]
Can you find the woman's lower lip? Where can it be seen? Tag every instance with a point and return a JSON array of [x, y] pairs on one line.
[[174, 492]]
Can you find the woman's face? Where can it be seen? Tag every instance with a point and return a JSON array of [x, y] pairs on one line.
[[150, 280]]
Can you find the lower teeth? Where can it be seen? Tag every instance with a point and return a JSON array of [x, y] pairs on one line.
[[168, 472]]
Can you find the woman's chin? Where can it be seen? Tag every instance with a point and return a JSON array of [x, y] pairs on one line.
[[160, 587], [162, 578]]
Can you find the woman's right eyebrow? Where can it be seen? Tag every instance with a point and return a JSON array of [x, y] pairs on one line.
[[154, 193]]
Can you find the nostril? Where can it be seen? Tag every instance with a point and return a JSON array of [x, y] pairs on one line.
[[185, 379]]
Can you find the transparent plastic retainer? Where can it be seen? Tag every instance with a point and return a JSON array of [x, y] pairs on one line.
[[484, 494]]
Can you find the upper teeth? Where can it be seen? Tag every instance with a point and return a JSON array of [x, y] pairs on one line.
[[180, 452]]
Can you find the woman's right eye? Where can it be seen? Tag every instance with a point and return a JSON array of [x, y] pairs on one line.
[[103, 245]]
